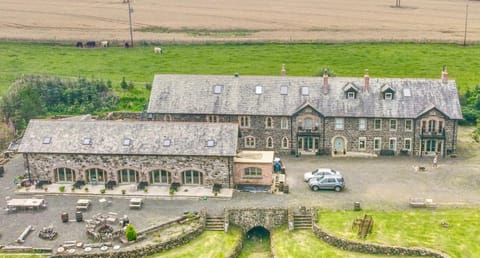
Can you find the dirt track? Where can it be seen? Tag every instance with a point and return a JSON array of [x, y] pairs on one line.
[[269, 20]]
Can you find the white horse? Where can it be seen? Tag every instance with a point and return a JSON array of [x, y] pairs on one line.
[[104, 43], [157, 50]]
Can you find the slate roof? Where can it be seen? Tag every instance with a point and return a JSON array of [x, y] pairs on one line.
[[194, 94], [145, 138]]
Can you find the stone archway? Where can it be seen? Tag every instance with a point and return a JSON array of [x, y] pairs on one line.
[[258, 232]]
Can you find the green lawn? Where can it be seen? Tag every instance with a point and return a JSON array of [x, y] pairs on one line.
[[140, 63], [409, 228]]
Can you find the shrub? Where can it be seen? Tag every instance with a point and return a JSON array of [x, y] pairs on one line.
[[86, 189], [130, 233], [61, 188], [124, 191], [102, 191]]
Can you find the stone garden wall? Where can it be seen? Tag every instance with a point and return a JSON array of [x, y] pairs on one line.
[[249, 218]]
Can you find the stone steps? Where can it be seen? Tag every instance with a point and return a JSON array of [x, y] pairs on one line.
[[302, 221], [215, 223]]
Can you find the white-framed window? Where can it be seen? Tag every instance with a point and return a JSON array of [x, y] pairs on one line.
[[249, 142], [339, 123], [252, 172], [284, 123], [213, 119], [192, 177], [244, 121], [362, 124], [408, 125], [284, 90], [285, 142], [393, 124], [377, 124], [432, 124], [64, 175], [407, 144], [305, 91], [392, 144], [160, 177], [167, 118], [388, 95], [308, 123], [440, 126], [269, 142], [377, 143], [217, 89], [258, 89], [127, 176], [268, 122], [351, 95], [362, 143], [96, 175]]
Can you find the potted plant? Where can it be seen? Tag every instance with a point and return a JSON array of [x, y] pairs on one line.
[[145, 190], [61, 188], [102, 191], [45, 189], [86, 189], [172, 191], [72, 188], [124, 191]]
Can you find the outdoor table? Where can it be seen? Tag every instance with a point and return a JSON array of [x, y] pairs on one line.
[[136, 203], [26, 203], [83, 204]]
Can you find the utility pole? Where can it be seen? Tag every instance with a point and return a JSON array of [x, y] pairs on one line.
[[466, 22], [130, 11]]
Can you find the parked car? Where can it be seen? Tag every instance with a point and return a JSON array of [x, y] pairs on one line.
[[328, 182], [320, 172]]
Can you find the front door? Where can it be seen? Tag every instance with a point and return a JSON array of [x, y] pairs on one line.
[[339, 144], [308, 143]]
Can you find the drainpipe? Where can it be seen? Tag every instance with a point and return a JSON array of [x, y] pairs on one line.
[[291, 135], [28, 168], [414, 131], [229, 172]]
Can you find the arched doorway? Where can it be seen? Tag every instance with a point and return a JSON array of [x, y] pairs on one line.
[[339, 145], [257, 241]]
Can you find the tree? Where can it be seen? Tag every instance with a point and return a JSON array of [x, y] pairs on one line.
[[130, 233], [124, 84]]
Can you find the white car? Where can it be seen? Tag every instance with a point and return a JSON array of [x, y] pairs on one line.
[[320, 172]]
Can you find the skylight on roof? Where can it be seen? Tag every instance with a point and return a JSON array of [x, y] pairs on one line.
[[127, 142], [47, 140], [258, 89], [211, 143], [217, 89], [305, 91], [407, 92], [284, 90], [167, 142], [87, 141]]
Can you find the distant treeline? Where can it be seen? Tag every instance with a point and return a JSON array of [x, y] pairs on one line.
[[39, 96]]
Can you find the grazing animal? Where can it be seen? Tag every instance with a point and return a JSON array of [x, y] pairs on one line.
[[104, 43], [126, 45], [157, 50], [79, 44], [90, 43]]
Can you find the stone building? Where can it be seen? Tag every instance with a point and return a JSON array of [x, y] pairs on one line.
[[318, 115], [129, 152], [253, 168]]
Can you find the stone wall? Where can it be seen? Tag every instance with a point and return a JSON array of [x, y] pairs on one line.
[[214, 169], [249, 218], [353, 246]]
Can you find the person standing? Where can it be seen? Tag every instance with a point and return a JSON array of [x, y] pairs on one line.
[[435, 160]]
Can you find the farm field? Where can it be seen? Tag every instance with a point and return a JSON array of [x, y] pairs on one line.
[[248, 20]]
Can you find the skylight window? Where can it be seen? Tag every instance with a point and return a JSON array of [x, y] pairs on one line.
[[167, 142], [211, 143], [47, 140], [258, 89], [305, 91], [406, 92], [127, 142], [217, 89], [87, 141], [284, 90]]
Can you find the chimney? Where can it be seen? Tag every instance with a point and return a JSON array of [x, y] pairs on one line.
[[325, 81], [283, 72], [367, 81], [444, 74]]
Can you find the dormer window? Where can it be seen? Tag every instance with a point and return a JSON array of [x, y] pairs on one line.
[[388, 95], [258, 89], [305, 91], [351, 95], [167, 142], [211, 143], [350, 90], [47, 140], [387, 92], [217, 89], [284, 90], [87, 141]]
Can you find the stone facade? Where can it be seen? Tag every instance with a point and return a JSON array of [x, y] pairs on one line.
[[212, 169], [249, 218]]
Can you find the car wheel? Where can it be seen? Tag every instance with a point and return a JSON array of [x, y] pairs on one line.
[[338, 188], [315, 188]]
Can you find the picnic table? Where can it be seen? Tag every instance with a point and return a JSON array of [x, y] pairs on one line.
[[136, 203], [26, 204], [83, 204]]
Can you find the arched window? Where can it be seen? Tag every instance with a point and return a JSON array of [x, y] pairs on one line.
[[269, 142], [160, 177], [64, 175], [249, 142], [268, 122], [252, 172], [284, 123], [96, 175], [308, 123], [192, 177], [167, 118], [284, 143], [127, 176]]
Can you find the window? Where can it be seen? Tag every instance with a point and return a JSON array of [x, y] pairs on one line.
[[167, 118], [392, 144], [47, 140], [270, 142], [192, 177], [377, 124], [249, 142], [388, 95], [212, 119], [167, 142], [424, 126], [285, 143], [308, 123], [431, 125], [440, 126], [408, 125], [160, 177], [362, 124], [217, 89], [268, 122], [284, 90], [96, 175], [377, 143], [253, 172], [87, 141], [127, 176], [64, 175], [127, 142], [244, 121], [362, 143], [339, 123], [258, 89], [305, 91], [351, 95], [407, 144], [393, 124], [284, 123]]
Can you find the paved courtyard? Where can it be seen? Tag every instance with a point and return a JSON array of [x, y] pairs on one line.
[[377, 183]]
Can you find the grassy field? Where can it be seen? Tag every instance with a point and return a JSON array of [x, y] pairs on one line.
[[140, 64], [420, 228]]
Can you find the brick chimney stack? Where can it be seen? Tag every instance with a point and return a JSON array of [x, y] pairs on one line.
[[444, 74], [283, 72], [367, 81], [325, 81]]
